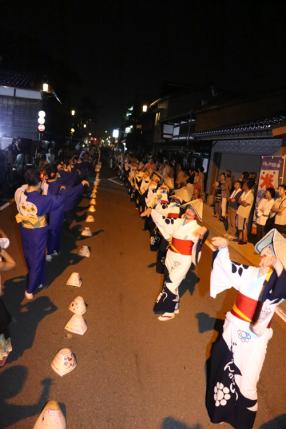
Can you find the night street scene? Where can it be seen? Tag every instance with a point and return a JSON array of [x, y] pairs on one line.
[[143, 214]]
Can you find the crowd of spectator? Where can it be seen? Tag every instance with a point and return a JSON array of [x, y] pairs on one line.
[[233, 199], [234, 204]]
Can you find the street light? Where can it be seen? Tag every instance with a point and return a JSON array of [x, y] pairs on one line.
[[84, 125], [41, 114], [73, 112], [144, 108], [115, 133]]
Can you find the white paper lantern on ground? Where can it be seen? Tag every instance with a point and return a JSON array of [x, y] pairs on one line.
[[74, 280], [84, 251], [64, 362], [76, 325], [86, 232], [51, 417], [90, 219], [78, 306]]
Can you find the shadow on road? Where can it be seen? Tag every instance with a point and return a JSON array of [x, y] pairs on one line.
[[79, 218], [66, 256], [25, 316], [152, 265], [12, 381], [277, 423], [208, 323], [171, 423]]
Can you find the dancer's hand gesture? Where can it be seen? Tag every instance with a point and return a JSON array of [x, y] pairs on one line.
[[219, 242]]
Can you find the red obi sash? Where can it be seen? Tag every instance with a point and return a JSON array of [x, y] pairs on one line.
[[173, 215], [246, 308], [184, 247]]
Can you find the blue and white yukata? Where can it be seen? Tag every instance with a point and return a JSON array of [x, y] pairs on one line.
[[182, 253], [237, 356]]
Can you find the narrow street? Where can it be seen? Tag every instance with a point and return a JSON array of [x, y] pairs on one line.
[[133, 371]]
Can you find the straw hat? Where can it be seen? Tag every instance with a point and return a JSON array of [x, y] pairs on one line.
[[277, 241], [86, 232], [185, 193], [84, 251], [76, 325], [51, 417], [197, 206], [90, 219], [74, 280], [64, 362], [169, 181], [92, 201], [91, 209], [78, 306]]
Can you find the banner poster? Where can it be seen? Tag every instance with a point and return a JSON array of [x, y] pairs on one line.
[[270, 175]]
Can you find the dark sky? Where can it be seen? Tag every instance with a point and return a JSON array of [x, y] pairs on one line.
[[119, 51]]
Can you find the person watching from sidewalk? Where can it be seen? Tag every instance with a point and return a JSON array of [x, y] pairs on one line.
[[225, 194], [243, 212], [229, 180], [220, 188], [263, 211], [233, 203], [279, 210]]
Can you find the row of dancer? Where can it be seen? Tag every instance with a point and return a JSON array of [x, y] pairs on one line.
[[42, 203], [237, 357], [173, 219]]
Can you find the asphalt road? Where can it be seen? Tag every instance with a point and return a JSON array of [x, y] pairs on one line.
[[133, 371]]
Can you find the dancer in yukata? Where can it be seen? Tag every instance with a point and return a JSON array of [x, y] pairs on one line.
[[53, 186], [33, 210], [238, 355], [185, 236]]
